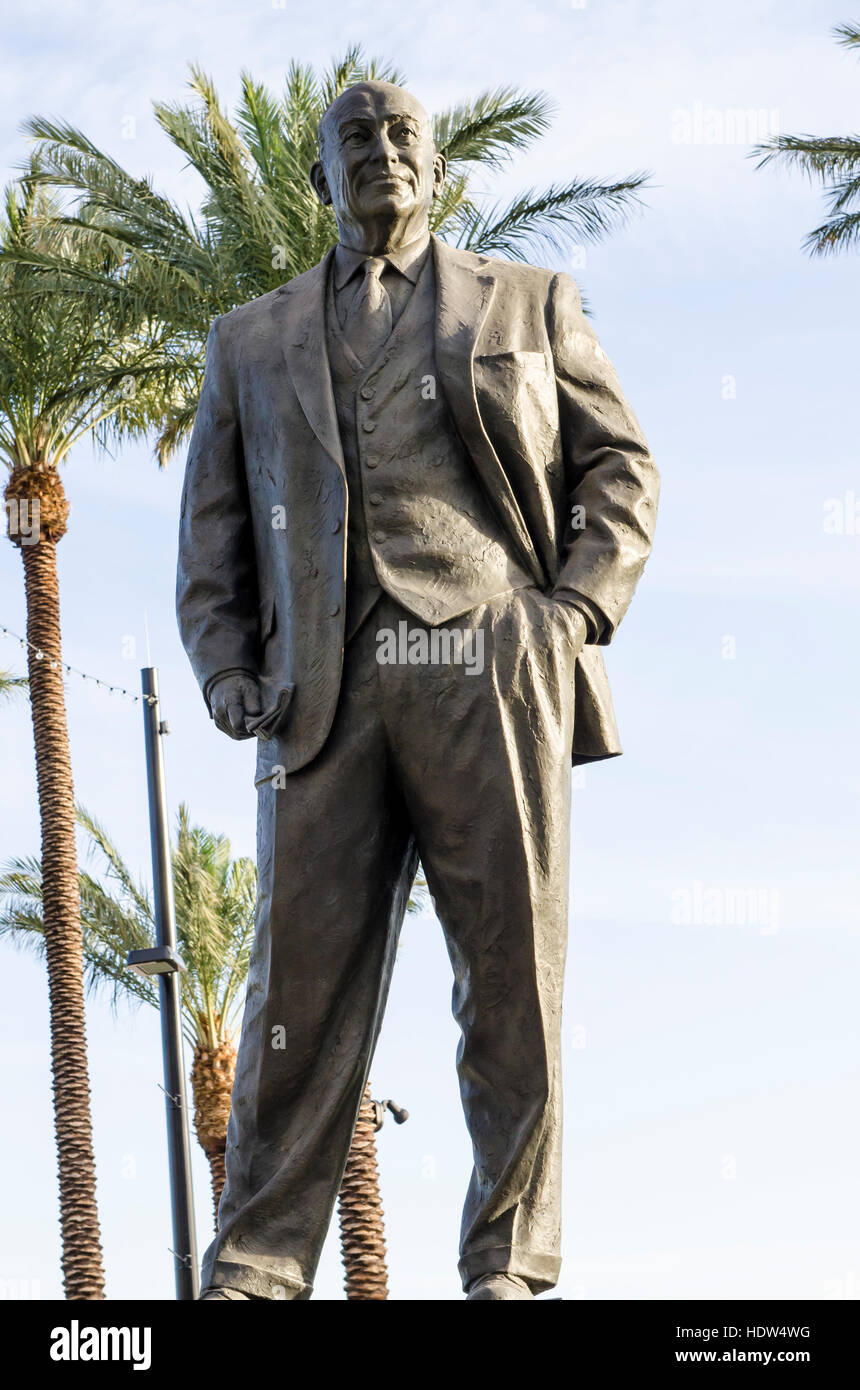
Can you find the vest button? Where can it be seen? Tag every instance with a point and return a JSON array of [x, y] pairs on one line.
[[375, 498], [334, 610], [368, 426], [379, 537], [367, 393], [370, 463]]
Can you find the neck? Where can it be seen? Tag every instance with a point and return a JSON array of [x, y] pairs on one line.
[[380, 238]]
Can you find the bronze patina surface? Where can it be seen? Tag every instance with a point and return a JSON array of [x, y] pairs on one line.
[[416, 508]]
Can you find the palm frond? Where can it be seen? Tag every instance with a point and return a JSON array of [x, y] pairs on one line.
[[491, 128], [819, 157], [840, 233], [848, 35], [355, 67], [830, 160], [10, 684], [215, 907], [581, 211]]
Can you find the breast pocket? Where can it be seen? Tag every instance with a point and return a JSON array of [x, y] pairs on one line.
[[515, 372], [519, 401], [523, 358]]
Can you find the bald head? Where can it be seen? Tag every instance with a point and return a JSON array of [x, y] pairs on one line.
[[369, 96], [377, 166]]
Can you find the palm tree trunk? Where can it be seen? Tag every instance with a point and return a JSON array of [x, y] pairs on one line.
[[362, 1233], [83, 1269], [212, 1073]]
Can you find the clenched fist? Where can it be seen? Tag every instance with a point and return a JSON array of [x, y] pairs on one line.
[[234, 699]]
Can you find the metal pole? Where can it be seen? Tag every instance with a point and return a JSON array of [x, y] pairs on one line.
[[178, 1139]]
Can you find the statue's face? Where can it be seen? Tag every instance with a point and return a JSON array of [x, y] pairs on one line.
[[379, 161]]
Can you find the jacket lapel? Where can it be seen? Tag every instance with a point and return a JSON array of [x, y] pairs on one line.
[[463, 297], [300, 312]]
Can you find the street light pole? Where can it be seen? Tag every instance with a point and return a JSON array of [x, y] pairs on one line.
[[163, 961]]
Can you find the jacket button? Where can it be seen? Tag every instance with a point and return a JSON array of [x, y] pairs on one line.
[[370, 463], [379, 537], [334, 610], [375, 499], [368, 426], [367, 393]]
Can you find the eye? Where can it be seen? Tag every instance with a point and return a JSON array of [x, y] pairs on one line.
[[405, 134]]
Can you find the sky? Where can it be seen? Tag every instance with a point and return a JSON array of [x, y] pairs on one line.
[[711, 1048]]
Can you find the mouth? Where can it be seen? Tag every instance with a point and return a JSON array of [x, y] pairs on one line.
[[388, 180]]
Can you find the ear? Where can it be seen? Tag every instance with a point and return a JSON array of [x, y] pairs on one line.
[[440, 169], [319, 183]]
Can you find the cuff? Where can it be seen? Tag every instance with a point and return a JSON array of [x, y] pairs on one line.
[[219, 675], [594, 622]]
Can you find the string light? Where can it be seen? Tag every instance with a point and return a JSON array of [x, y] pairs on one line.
[[73, 671]]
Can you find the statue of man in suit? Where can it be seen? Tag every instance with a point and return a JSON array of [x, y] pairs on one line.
[[416, 441]]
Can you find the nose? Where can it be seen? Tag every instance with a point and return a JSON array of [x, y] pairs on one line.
[[384, 151]]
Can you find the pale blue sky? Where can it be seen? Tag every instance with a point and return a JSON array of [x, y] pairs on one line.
[[712, 1069]]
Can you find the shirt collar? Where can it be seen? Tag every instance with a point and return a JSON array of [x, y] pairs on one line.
[[409, 260]]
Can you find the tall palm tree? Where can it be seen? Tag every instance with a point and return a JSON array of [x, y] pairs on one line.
[[65, 363], [260, 223], [832, 160], [215, 897]]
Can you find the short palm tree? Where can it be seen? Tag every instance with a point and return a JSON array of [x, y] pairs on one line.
[[260, 223], [832, 160], [215, 897], [66, 361]]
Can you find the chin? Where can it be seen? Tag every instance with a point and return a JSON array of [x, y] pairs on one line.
[[382, 204]]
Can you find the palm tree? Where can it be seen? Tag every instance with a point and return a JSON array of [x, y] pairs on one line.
[[360, 1216], [260, 222], [215, 897], [832, 160], [66, 361]]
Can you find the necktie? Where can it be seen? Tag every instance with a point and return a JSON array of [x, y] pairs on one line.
[[369, 322]]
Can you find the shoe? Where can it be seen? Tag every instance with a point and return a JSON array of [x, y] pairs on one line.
[[210, 1295], [496, 1288]]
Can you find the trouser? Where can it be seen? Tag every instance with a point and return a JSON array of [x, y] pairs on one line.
[[470, 770]]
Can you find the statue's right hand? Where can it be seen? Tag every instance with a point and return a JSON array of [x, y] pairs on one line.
[[234, 699]]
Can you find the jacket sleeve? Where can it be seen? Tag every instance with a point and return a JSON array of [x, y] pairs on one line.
[[612, 481], [216, 584]]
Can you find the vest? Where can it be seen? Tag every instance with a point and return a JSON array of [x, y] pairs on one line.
[[420, 525]]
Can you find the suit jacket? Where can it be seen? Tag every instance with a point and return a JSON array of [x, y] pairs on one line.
[[261, 577]]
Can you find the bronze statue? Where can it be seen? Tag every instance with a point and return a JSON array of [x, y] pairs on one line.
[[415, 440]]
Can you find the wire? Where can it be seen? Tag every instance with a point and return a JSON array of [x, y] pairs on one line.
[[73, 671]]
